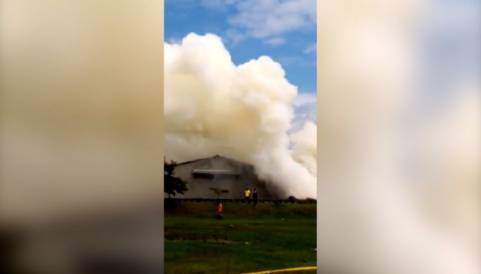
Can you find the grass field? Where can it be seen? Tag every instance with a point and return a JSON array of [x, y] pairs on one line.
[[247, 239]]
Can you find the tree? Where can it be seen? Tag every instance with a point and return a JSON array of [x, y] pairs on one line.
[[172, 185]]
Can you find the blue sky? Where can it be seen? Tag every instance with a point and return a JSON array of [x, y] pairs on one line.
[[283, 30]]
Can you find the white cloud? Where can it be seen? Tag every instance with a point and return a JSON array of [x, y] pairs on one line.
[[297, 61], [305, 99], [276, 41], [234, 36], [266, 19], [310, 48], [305, 110], [272, 18], [216, 4]]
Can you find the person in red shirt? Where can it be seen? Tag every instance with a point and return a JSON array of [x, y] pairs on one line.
[[220, 209]]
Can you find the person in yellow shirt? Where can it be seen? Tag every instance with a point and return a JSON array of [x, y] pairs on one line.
[[247, 195]]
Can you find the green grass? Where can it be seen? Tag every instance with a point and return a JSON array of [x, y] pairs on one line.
[[269, 236]]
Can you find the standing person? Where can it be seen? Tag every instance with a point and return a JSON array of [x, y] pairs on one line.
[[247, 195], [219, 209], [255, 196]]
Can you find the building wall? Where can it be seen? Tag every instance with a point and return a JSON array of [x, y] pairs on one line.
[[199, 187]]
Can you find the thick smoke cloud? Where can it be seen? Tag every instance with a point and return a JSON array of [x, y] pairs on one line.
[[213, 106], [305, 146]]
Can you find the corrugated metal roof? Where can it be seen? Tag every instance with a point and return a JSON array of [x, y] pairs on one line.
[[213, 157], [215, 171]]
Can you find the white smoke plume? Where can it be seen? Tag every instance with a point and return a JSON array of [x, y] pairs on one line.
[[213, 106], [305, 146]]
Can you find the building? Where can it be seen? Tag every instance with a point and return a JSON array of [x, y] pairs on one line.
[[205, 175]]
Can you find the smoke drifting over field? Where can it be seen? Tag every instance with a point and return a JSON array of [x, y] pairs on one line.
[[213, 106]]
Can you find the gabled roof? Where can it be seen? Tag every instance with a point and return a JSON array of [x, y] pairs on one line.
[[215, 156], [216, 171]]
